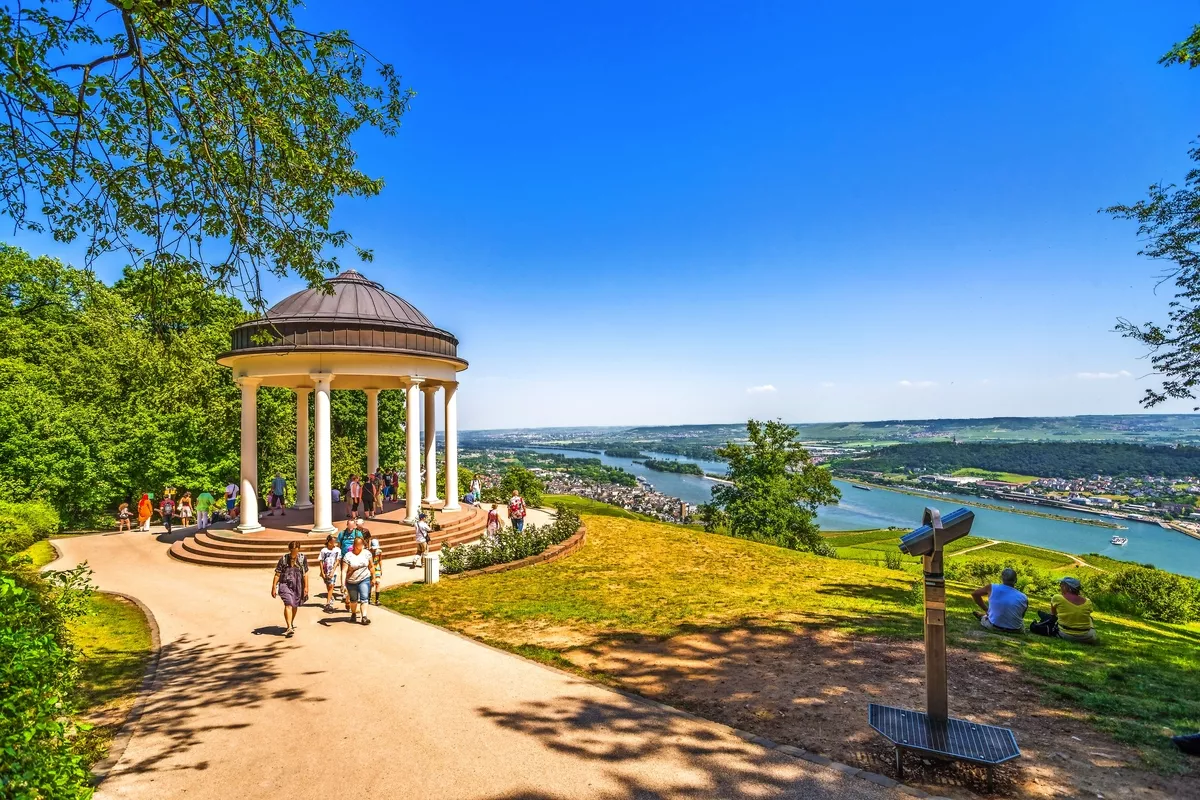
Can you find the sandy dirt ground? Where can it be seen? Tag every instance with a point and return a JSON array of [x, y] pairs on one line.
[[811, 689]]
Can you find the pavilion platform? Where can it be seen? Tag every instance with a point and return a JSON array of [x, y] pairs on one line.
[[225, 546]]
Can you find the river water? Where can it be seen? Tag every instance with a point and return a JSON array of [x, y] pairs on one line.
[[880, 508]]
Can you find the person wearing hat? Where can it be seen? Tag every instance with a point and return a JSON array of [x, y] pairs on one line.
[[1005, 605], [1074, 612]]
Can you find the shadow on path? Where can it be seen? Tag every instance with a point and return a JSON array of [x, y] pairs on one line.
[[689, 759], [196, 687]]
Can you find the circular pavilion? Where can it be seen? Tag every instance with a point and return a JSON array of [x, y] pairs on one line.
[[355, 336]]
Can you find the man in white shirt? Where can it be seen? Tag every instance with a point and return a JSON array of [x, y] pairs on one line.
[[423, 533], [231, 493]]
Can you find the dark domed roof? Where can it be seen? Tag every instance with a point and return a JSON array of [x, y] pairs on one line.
[[358, 315], [354, 298]]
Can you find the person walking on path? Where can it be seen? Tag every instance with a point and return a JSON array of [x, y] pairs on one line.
[[368, 497], [145, 512], [345, 542], [231, 493], [204, 503], [278, 486], [354, 490], [377, 563], [166, 510], [516, 511], [493, 521], [358, 580], [185, 509], [423, 531], [331, 560], [290, 584]]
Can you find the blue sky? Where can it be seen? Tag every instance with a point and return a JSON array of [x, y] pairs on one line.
[[651, 212]]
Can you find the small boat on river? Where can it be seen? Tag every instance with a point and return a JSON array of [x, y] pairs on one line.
[[1121, 541], [864, 488]]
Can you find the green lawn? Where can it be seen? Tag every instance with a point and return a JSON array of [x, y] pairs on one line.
[[41, 553], [988, 475], [114, 645], [634, 579], [661, 579], [582, 505]]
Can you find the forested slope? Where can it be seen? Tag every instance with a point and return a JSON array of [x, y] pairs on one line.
[[1046, 459], [109, 391]]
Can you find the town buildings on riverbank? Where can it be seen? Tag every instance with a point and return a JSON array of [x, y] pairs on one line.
[[640, 499]]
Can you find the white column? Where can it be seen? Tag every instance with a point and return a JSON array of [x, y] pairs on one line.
[[322, 465], [451, 425], [249, 491], [372, 430], [431, 443], [412, 440], [302, 494]]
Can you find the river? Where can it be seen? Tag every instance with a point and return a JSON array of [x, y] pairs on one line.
[[880, 508]]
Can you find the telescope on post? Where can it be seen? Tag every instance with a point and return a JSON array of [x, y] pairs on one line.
[[935, 732], [927, 541]]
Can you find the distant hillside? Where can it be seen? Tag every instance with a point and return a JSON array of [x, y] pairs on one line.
[[1147, 428], [1061, 459]]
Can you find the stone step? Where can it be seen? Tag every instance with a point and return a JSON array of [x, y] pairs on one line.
[[224, 548]]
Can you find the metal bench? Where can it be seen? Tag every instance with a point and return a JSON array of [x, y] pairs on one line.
[[957, 739]]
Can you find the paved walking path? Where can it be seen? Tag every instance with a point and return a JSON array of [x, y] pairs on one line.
[[393, 709]]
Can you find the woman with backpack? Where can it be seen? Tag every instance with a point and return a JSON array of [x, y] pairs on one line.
[[290, 584]]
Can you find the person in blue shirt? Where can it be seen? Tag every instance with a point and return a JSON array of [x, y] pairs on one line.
[[1003, 604], [345, 542]]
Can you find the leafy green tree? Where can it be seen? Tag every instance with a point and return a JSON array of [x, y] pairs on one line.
[[1169, 225], [204, 138], [100, 400], [529, 485], [775, 488]]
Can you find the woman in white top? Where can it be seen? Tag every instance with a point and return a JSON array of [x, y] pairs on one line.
[[358, 580]]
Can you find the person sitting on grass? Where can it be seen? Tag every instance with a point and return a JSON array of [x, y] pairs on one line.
[[1005, 606], [1070, 614]]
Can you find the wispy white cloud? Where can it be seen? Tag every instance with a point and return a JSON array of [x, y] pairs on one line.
[[907, 384], [1103, 376], [827, 384], [766, 388]]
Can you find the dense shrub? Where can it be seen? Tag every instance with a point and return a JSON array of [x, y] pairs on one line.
[[510, 544], [1034, 582], [22, 524], [1133, 591], [1157, 595], [38, 678]]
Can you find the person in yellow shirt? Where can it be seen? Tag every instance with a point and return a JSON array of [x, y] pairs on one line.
[[1073, 611]]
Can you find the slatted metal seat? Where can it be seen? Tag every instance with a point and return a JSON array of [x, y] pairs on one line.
[[958, 739]]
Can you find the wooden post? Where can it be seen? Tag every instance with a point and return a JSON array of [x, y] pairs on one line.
[[937, 703]]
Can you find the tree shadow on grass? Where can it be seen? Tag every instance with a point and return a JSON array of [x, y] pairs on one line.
[[647, 751], [196, 686]]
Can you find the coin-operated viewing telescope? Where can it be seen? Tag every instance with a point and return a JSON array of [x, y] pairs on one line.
[[927, 541], [936, 532], [935, 732]]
